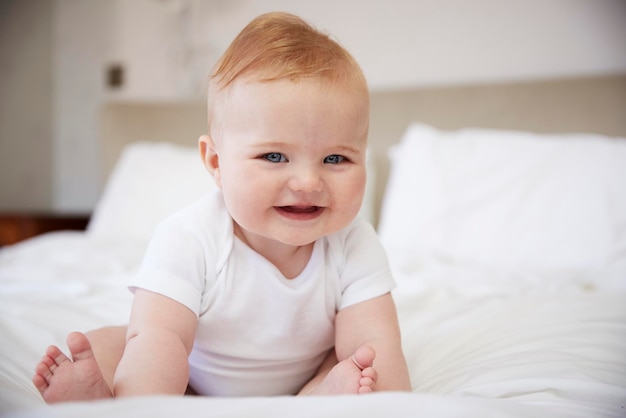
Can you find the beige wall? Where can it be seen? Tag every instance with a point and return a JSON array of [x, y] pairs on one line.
[[26, 117]]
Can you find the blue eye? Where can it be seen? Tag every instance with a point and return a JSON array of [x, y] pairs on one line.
[[334, 159], [274, 157]]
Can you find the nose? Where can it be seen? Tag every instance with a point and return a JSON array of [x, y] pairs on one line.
[[306, 179]]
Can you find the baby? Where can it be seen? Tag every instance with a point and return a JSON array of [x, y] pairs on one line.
[[271, 285]]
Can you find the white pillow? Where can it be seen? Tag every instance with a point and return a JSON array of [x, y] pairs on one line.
[[153, 180], [149, 182], [513, 201]]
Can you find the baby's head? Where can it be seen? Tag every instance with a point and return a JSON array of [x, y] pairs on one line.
[[280, 46], [288, 112]]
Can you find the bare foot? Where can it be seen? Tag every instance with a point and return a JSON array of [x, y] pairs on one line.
[[351, 376], [60, 379]]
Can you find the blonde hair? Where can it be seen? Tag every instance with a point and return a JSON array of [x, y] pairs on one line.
[[278, 46]]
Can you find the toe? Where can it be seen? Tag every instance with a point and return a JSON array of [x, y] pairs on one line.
[[79, 346], [47, 361], [44, 369], [371, 373], [40, 382], [56, 356], [364, 356], [365, 389]]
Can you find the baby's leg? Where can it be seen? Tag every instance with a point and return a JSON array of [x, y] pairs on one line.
[[350, 376], [88, 374]]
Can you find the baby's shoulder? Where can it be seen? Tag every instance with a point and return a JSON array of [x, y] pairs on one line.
[[205, 220], [356, 239]]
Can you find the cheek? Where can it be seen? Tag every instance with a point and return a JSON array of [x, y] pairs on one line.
[[246, 188], [351, 190], [358, 195]]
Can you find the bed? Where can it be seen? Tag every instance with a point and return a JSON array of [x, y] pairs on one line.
[[503, 210]]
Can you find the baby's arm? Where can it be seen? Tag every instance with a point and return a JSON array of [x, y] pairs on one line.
[[159, 339], [374, 322]]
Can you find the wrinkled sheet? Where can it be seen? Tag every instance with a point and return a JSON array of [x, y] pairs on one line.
[[532, 352]]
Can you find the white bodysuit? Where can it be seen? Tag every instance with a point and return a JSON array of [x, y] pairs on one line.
[[258, 333]]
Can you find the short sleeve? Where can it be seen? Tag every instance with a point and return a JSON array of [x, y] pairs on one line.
[[175, 264], [365, 273]]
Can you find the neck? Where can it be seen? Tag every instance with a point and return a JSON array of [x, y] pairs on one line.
[[290, 260]]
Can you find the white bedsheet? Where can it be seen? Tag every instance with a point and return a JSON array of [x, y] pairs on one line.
[[536, 352]]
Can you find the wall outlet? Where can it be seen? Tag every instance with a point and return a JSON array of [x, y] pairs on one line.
[[115, 76]]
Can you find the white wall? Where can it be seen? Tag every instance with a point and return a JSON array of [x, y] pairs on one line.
[[83, 44], [167, 46], [421, 42], [25, 105]]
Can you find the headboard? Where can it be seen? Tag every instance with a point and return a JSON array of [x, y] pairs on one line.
[[587, 104]]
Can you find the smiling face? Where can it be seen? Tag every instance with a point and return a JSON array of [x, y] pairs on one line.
[[289, 157]]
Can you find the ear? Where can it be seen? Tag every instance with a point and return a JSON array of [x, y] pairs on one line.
[[210, 158]]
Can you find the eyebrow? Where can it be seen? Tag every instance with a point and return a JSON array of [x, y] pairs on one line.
[[347, 148], [278, 144], [270, 144]]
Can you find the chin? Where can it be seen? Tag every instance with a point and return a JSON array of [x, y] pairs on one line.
[[299, 242], [302, 238]]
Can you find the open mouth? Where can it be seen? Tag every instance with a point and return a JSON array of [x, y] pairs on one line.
[[300, 209], [300, 212]]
